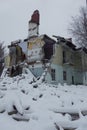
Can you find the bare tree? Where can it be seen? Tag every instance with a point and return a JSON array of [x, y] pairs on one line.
[[78, 28], [1, 57]]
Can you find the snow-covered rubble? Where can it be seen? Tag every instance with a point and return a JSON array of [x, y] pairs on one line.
[[45, 107]]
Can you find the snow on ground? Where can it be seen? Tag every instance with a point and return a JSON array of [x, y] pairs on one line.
[[49, 105]]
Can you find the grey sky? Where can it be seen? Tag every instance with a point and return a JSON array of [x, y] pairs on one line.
[[55, 16]]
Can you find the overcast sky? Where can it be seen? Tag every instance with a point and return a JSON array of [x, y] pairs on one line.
[[55, 16]]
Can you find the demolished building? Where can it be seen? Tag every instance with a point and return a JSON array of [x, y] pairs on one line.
[[68, 64]]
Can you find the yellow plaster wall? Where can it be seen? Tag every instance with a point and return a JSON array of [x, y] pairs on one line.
[[35, 43], [7, 61], [58, 58]]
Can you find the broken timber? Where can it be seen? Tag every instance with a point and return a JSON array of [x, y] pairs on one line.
[[19, 117], [67, 126], [71, 124], [74, 113]]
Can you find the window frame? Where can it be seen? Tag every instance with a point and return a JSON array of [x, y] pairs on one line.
[[64, 56], [64, 75], [53, 74]]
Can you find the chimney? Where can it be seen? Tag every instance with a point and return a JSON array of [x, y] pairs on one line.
[[35, 17], [34, 24]]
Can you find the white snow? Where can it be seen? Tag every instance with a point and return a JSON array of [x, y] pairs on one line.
[[43, 106]]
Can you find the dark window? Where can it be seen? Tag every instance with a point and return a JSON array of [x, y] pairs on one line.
[[48, 51], [72, 79], [64, 57], [53, 74], [64, 75]]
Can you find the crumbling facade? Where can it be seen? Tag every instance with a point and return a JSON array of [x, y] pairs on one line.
[[69, 64]]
